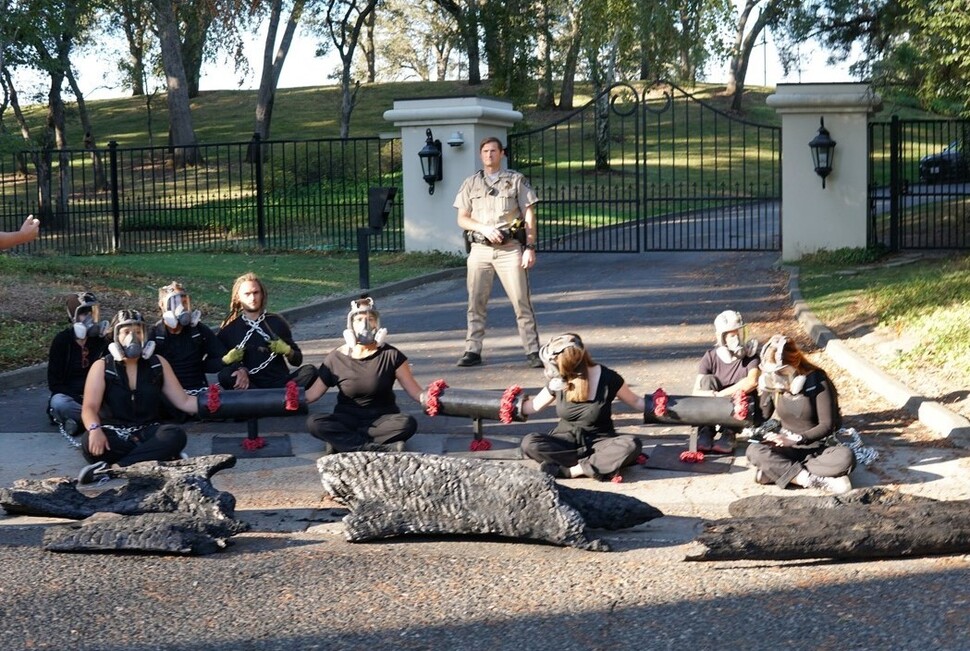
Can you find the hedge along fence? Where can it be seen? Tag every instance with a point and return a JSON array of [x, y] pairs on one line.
[[306, 194]]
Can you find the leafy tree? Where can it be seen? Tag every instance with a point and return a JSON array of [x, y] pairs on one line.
[[182, 137], [273, 58], [341, 24], [416, 40], [466, 15], [509, 39]]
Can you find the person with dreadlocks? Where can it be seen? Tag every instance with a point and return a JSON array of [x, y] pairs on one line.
[[364, 370], [122, 408], [584, 443], [184, 341], [71, 354], [260, 343], [802, 398]]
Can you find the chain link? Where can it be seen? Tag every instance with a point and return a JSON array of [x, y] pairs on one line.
[[254, 327]]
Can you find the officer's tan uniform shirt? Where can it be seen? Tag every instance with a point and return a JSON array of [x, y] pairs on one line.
[[496, 203]]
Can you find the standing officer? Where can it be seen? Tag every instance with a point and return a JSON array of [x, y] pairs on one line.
[[496, 209]]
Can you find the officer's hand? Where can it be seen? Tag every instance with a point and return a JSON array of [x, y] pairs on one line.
[[528, 258], [234, 356], [280, 347]]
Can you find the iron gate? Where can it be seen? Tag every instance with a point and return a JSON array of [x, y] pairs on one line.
[[653, 169], [919, 192]]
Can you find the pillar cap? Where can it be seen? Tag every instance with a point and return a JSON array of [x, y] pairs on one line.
[[451, 110], [830, 98]]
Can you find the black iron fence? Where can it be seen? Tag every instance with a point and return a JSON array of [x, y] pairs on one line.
[[653, 168], [919, 192], [294, 195]]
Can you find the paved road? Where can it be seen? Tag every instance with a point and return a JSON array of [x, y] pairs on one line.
[[294, 583]]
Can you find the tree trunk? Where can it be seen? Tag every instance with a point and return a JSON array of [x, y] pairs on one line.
[[57, 134], [467, 21], [133, 24], [97, 162], [869, 523], [570, 62], [182, 133], [272, 66], [545, 96], [370, 56], [21, 120], [743, 45], [197, 21]]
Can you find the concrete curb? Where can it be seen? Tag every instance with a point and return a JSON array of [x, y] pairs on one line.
[[37, 374], [935, 416]]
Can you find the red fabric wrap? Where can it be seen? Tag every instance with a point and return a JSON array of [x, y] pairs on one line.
[[660, 403], [435, 389], [212, 400], [292, 396], [617, 479], [253, 443], [692, 457], [480, 445], [506, 410], [642, 459], [740, 404]]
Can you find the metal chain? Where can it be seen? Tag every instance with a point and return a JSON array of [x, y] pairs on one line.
[[254, 327]]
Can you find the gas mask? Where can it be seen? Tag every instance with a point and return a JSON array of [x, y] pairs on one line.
[[776, 375], [83, 312], [731, 335], [549, 353], [88, 325], [361, 329], [129, 334], [177, 307]]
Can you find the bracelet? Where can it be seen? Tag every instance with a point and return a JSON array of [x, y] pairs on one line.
[[94, 426]]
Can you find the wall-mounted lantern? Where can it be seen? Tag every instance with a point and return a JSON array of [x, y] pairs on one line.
[[823, 149], [431, 161]]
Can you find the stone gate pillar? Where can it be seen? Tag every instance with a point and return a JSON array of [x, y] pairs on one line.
[[429, 219], [834, 217]]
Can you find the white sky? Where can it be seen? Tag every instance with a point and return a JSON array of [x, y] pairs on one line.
[[98, 76]]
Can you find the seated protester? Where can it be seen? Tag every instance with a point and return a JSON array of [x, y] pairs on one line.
[[584, 442], [71, 354], [123, 402], [187, 344], [729, 367], [803, 399], [260, 343], [364, 369]]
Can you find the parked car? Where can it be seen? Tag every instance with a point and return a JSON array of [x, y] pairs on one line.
[[948, 165]]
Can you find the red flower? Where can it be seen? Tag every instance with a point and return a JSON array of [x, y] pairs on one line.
[[212, 401], [480, 445], [435, 389], [740, 404], [660, 400], [692, 457], [292, 397], [506, 410], [254, 443]]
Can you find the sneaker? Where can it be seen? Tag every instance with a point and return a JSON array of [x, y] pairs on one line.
[[725, 443], [759, 478], [831, 484], [327, 448], [551, 468], [705, 438], [184, 455], [396, 446], [470, 359], [71, 428], [88, 473], [533, 360]]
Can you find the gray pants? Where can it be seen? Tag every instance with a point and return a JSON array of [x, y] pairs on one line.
[[601, 457], [483, 264], [781, 464]]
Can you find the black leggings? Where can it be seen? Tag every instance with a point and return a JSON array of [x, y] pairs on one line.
[[350, 432], [153, 443], [603, 456]]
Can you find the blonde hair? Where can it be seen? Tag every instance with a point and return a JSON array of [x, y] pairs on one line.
[[235, 307], [174, 287], [574, 366]]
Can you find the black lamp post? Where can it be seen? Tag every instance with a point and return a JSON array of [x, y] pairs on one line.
[[431, 161], [823, 149]]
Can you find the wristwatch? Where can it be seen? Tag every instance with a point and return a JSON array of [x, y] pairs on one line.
[[531, 247]]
